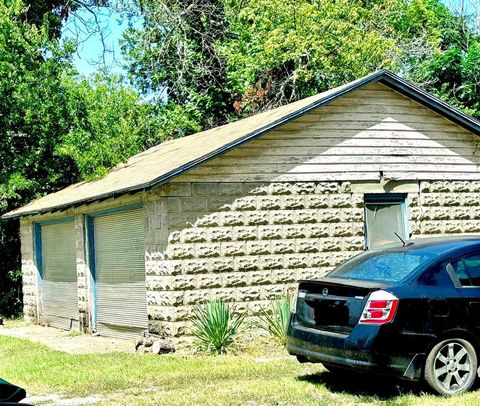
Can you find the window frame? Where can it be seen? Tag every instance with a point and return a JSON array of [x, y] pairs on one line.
[[386, 198]]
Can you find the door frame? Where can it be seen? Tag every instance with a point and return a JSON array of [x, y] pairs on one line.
[[90, 257], [38, 257]]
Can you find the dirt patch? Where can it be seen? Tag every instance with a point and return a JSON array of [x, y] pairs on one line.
[[58, 400], [67, 341]]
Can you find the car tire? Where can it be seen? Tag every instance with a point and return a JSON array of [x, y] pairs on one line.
[[451, 367]]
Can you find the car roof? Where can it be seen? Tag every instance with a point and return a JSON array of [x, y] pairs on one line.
[[437, 245]]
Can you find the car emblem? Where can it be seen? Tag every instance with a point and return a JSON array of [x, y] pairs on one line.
[[325, 292]]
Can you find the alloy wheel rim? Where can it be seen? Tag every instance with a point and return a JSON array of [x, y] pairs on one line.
[[453, 367]]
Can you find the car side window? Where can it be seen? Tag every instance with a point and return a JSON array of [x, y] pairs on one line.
[[467, 269]]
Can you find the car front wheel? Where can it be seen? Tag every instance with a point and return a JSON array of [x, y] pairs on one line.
[[451, 367]]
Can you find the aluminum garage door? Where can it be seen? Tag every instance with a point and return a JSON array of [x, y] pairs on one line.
[[121, 302], [59, 296]]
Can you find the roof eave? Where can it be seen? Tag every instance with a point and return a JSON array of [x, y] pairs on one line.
[[383, 76]]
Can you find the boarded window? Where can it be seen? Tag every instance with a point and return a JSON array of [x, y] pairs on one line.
[[385, 215]]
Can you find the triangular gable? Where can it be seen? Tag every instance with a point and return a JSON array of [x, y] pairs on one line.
[[162, 163]]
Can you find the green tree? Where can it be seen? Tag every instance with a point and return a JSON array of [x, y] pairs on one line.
[[33, 117], [221, 59], [453, 71], [56, 128]]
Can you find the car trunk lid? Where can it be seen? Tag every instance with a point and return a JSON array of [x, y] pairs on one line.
[[333, 304]]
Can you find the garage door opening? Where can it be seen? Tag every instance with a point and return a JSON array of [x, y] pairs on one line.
[[117, 253]]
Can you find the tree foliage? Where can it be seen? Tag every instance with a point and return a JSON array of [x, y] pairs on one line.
[[224, 58], [56, 128]]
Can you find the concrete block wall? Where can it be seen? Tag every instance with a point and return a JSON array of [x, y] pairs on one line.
[[445, 207], [246, 243], [29, 271], [249, 242]]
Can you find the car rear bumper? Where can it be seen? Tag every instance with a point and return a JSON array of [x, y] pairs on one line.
[[362, 351]]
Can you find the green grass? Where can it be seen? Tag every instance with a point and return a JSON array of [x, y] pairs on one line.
[[215, 380]]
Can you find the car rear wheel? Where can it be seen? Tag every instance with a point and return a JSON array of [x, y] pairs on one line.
[[451, 367]]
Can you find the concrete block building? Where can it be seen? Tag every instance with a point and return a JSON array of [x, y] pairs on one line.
[[245, 210]]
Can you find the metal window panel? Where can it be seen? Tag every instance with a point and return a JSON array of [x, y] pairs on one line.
[[121, 298], [385, 215], [59, 292]]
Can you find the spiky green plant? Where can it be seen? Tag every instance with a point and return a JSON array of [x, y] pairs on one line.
[[216, 326], [274, 320]]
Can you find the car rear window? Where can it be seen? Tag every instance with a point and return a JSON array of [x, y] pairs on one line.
[[383, 266]]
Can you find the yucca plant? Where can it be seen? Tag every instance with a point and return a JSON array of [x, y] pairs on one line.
[[274, 320], [216, 326]]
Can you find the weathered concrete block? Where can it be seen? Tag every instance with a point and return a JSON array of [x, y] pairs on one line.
[[244, 264], [174, 205], [229, 249], [283, 247], [305, 216], [205, 250], [193, 204], [304, 188], [205, 189], [307, 245], [297, 260], [245, 233], [219, 203], [178, 189], [318, 201], [470, 199], [258, 247], [246, 203], [451, 199], [235, 279], [294, 202], [222, 264], [221, 234], [270, 232], [233, 219], [317, 230], [180, 251], [280, 188], [282, 217], [208, 281], [194, 235], [295, 231], [269, 202], [195, 266], [231, 189], [209, 220]]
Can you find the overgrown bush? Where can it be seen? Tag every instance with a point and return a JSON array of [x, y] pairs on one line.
[[216, 326], [274, 320]]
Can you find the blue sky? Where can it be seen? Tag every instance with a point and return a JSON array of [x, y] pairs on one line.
[[91, 49], [90, 53]]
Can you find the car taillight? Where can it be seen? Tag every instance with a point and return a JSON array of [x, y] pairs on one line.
[[380, 308]]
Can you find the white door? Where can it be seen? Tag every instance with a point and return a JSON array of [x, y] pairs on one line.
[[59, 295], [121, 302]]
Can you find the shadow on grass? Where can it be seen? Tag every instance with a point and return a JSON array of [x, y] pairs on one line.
[[365, 385]]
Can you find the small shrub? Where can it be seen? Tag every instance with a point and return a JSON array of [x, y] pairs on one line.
[[216, 326], [275, 319]]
